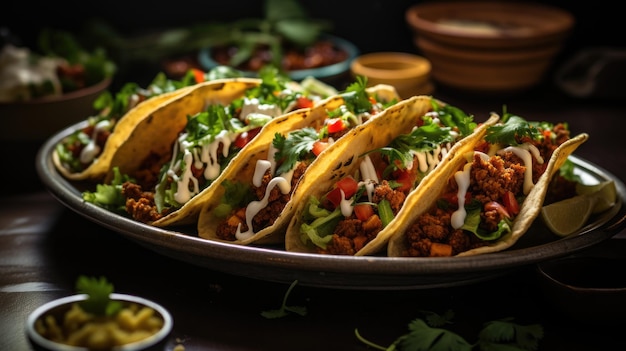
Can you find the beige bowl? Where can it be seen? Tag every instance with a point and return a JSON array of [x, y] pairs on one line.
[[38, 119], [489, 46], [408, 73]]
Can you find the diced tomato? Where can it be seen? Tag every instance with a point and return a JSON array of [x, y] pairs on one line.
[[453, 199], [547, 134], [304, 102], [335, 125], [510, 202], [349, 186], [244, 138], [334, 197], [319, 146], [198, 75], [406, 178], [363, 211]]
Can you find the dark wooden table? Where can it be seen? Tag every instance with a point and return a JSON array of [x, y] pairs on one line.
[[45, 246]]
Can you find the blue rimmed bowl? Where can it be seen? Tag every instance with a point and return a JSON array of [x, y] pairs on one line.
[[325, 73]]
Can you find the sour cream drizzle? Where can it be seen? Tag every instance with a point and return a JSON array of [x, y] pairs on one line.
[[92, 150], [205, 155], [462, 178], [525, 152], [428, 160], [283, 182], [253, 105]]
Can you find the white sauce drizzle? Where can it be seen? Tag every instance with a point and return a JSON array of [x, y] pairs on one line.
[[209, 154], [183, 194], [462, 178], [367, 169], [525, 151], [253, 105], [429, 160], [345, 205], [206, 156], [261, 167], [369, 176], [91, 150], [283, 182]]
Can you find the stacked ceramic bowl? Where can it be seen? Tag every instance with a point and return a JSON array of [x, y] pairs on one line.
[[489, 46]]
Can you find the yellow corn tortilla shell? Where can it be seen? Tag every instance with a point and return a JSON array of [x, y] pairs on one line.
[[397, 120], [157, 131], [243, 166], [421, 201], [100, 166]]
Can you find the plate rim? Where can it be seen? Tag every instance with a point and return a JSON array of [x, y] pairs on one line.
[[361, 272]]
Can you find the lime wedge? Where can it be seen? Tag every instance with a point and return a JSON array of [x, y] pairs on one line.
[[568, 216], [604, 192]]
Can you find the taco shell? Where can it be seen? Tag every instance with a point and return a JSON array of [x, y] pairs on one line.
[[397, 120], [422, 200], [100, 166], [156, 131], [243, 166]]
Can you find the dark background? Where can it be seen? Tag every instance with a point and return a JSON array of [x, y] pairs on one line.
[[373, 25]]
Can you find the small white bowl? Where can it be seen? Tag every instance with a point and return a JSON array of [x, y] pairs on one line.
[[59, 306], [408, 73]]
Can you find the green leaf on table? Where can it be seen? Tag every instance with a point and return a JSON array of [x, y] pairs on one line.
[[284, 309]]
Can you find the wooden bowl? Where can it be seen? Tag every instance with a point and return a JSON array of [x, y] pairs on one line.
[[489, 41], [38, 119], [408, 73]]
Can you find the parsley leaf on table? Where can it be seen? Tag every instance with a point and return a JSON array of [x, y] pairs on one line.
[[426, 335], [284, 309]]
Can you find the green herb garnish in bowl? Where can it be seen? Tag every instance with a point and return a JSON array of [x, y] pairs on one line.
[[98, 319]]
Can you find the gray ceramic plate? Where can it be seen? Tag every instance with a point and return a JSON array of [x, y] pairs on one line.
[[345, 272]]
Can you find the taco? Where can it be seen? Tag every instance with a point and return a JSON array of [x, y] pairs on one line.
[[485, 199], [256, 196], [86, 154], [347, 210], [197, 136]]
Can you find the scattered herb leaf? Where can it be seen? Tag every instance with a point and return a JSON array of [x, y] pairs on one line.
[[284, 310], [498, 335]]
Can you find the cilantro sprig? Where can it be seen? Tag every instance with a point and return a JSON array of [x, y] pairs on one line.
[[356, 97], [285, 309], [294, 147], [429, 135], [98, 292], [428, 334]]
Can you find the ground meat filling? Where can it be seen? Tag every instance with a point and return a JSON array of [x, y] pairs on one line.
[[489, 181], [352, 234], [227, 229], [140, 204]]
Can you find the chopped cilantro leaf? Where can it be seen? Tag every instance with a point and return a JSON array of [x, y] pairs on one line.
[[293, 148]]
